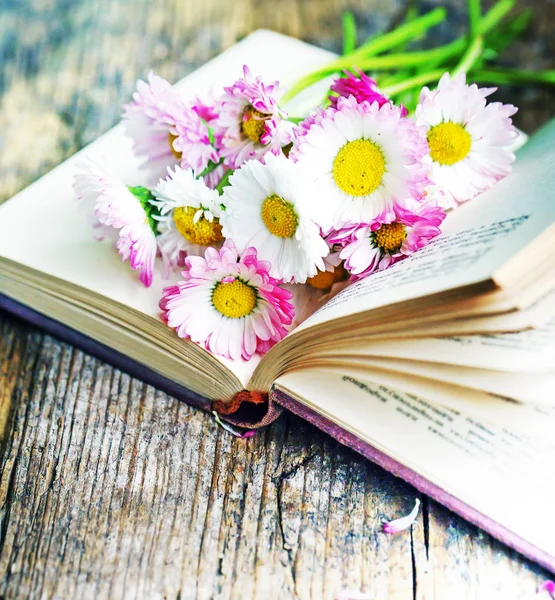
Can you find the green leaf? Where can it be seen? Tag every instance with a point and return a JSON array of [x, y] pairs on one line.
[[224, 181], [210, 131], [145, 197]]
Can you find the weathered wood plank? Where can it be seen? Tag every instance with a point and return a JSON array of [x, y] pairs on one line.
[[111, 489], [466, 563]]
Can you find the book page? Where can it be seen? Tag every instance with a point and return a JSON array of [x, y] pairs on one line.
[[482, 465], [532, 350], [527, 388], [478, 239], [488, 408]]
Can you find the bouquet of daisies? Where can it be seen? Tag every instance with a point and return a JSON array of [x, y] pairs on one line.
[[265, 213]]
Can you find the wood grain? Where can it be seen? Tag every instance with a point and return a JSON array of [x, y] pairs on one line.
[[112, 489]]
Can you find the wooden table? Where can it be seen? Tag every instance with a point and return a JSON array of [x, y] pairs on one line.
[[110, 488]]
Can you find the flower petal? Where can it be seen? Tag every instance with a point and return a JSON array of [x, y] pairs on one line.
[[549, 587], [404, 522]]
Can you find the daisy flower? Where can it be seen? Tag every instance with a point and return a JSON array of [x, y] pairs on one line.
[[166, 131], [375, 247], [193, 143], [250, 122], [189, 216], [301, 129], [228, 303], [206, 110], [333, 271], [363, 160], [363, 88], [268, 207], [436, 194], [128, 210], [469, 140]]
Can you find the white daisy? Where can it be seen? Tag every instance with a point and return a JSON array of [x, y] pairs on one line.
[[189, 216], [469, 140], [267, 206], [363, 159]]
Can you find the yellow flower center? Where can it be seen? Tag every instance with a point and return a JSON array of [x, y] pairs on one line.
[[171, 140], [234, 299], [203, 232], [252, 123], [449, 143], [279, 217], [323, 280], [358, 168], [390, 237]]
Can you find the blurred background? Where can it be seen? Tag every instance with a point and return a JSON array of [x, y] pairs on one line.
[[68, 65]]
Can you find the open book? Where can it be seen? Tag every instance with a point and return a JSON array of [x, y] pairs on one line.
[[441, 368]]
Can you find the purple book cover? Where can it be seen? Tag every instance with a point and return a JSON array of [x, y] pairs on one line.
[[278, 400]]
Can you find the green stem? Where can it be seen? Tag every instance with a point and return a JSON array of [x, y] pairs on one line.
[[212, 166], [513, 76], [431, 58], [472, 54], [474, 13], [503, 36], [412, 14], [413, 82], [375, 46], [349, 33], [391, 79], [409, 59], [403, 33], [494, 15]]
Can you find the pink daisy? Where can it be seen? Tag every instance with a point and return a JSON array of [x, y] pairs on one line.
[[166, 131], [228, 303], [362, 88], [470, 142], [115, 208], [375, 247], [250, 122]]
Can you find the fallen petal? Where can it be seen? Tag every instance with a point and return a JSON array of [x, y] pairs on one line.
[[404, 522], [549, 587]]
